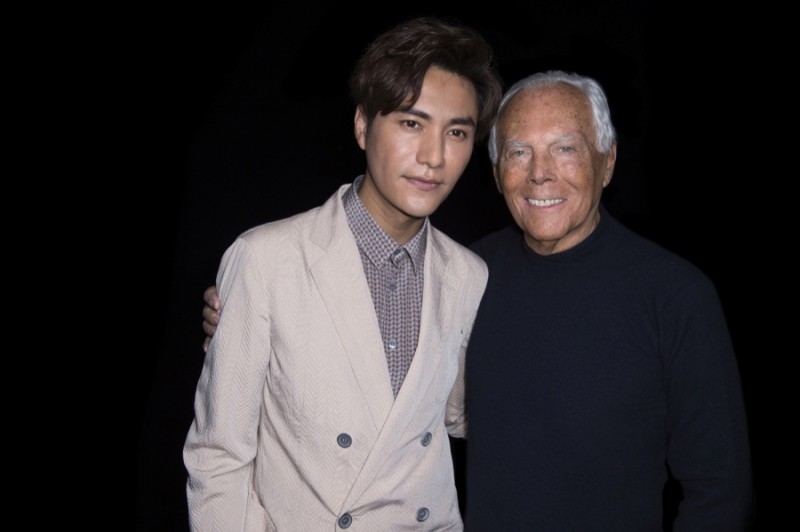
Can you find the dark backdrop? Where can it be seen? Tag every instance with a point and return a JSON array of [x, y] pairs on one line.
[[247, 119]]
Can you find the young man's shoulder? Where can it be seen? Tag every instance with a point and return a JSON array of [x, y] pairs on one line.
[[320, 217], [456, 251]]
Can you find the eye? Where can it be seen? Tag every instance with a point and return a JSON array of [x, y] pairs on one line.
[[460, 133], [411, 124], [518, 153]]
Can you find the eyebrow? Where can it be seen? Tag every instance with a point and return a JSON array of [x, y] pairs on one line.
[[459, 120], [566, 138], [515, 144]]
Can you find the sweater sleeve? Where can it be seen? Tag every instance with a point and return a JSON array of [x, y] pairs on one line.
[[708, 450]]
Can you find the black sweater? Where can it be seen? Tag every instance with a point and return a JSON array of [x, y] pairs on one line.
[[590, 370]]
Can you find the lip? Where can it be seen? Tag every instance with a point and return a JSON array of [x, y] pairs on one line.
[[423, 184]]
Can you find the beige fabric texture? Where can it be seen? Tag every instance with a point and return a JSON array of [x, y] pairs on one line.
[[297, 360]]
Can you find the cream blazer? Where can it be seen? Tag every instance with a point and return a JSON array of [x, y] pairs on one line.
[[296, 427]]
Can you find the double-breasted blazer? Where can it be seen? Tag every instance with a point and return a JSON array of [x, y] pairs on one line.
[[296, 427]]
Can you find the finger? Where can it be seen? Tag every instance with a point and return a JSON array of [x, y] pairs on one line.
[[209, 328], [210, 316], [211, 297]]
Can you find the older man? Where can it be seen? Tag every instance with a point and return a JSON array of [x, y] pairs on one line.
[[599, 362]]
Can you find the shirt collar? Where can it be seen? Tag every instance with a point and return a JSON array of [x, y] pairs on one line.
[[372, 240]]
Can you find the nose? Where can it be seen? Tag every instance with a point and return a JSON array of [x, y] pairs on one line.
[[541, 169], [431, 151]]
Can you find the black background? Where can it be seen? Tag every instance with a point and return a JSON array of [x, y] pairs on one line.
[[247, 119]]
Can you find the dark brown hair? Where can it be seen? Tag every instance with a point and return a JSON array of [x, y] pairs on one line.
[[390, 72]]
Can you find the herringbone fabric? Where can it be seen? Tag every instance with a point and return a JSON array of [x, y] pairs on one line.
[[295, 421]]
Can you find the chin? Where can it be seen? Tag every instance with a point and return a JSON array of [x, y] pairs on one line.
[[544, 234], [421, 211], [419, 214]]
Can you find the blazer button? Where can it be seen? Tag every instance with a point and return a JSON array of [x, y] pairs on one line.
[[344, 440], [422, 514], [346, 520], [426, 439]]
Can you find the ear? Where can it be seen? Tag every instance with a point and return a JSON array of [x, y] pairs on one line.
[[360, 128], [611, 160]]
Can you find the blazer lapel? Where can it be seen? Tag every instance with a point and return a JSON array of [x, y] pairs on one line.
[[439, 296], [339, 277]]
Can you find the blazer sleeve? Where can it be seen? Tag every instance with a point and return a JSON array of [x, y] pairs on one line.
[[221, 444], [456, 415], [475, 281]]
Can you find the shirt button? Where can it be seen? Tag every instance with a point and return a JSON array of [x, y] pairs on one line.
[[426, 439], [422, 514], [392, 344], [344, 440], [398, 255]]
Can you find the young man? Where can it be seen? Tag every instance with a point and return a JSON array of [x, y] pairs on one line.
[[330, 386]]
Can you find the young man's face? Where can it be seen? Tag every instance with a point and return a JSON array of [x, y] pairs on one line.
[[415, 157]]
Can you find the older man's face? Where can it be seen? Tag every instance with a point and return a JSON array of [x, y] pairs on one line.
[[548, 166]]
